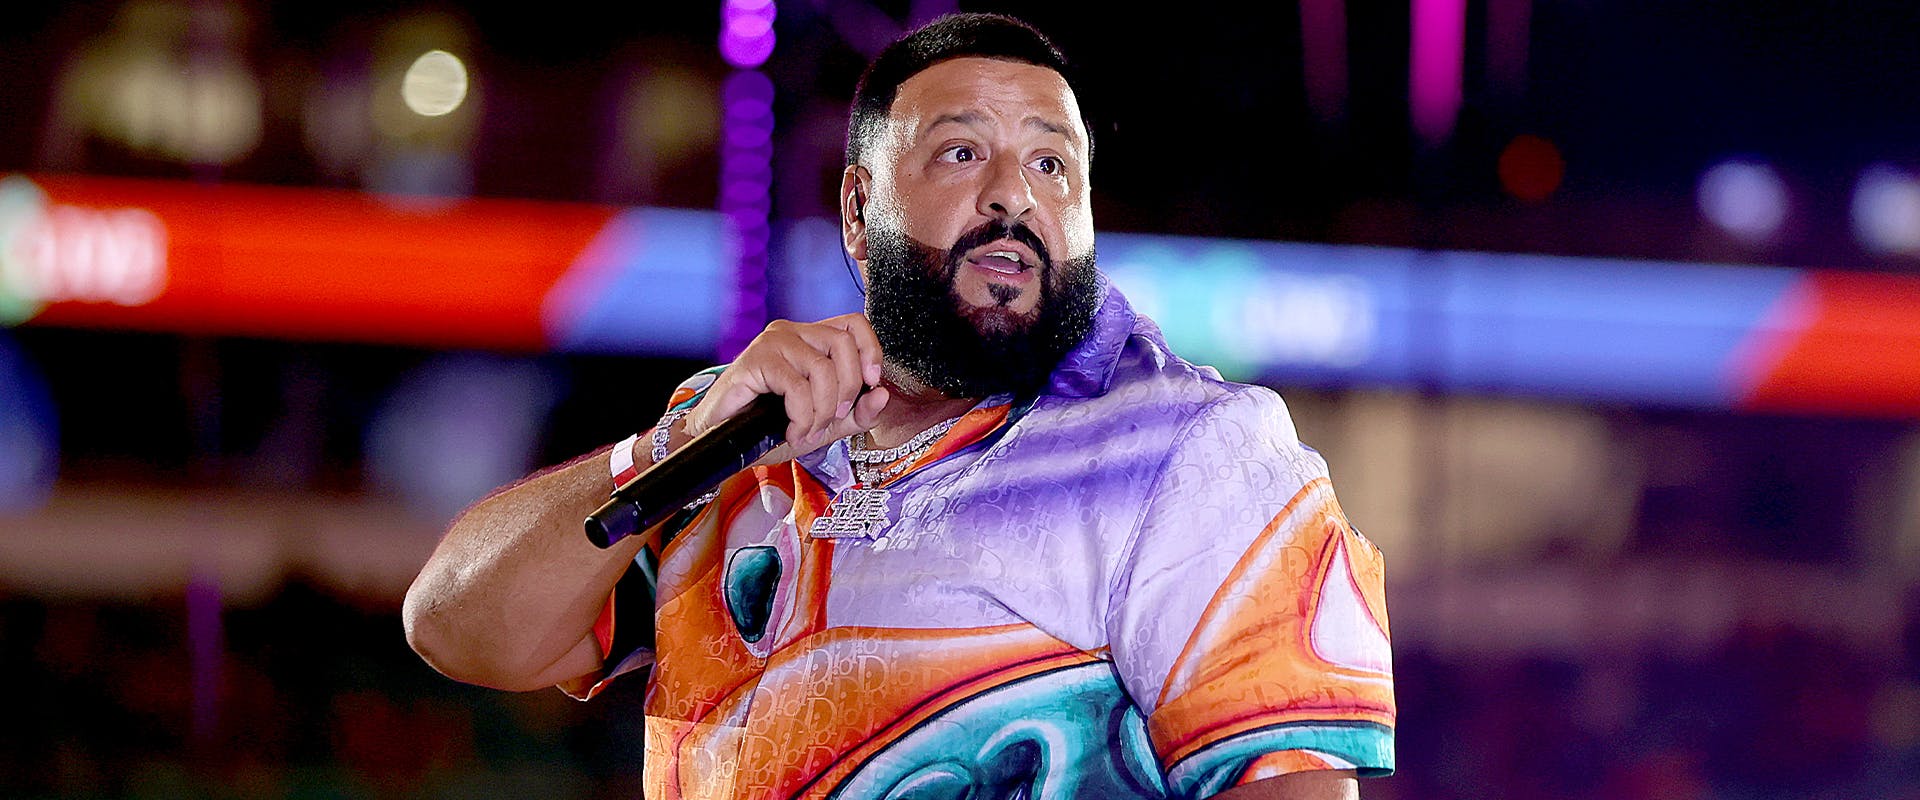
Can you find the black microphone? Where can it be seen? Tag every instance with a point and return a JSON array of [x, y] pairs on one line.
[[694, 469]]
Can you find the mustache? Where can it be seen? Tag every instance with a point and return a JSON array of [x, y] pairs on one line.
[[994, 230]]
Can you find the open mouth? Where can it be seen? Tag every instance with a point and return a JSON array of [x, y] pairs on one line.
[[1005, 257]]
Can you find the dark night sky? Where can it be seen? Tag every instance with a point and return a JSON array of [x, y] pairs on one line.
[[1202, 117]]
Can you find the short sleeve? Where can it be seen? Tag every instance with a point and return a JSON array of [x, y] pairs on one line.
[[688, 393], [1249, 618], [625, 627]]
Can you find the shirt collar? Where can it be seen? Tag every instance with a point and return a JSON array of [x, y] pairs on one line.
[[1087, 369]]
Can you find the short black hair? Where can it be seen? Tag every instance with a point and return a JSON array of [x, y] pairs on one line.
[[949, 37]]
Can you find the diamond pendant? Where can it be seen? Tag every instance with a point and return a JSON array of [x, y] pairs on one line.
[[856, 511]]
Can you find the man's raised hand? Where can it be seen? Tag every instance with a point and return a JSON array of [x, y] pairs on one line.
[[818, 368]]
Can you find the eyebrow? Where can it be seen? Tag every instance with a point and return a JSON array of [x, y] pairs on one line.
[[977, 118], [961, 118], [1049, 126]]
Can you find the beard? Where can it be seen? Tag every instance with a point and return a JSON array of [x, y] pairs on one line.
[[964, 350]]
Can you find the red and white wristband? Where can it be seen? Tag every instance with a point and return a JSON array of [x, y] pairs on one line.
[[621, 461]]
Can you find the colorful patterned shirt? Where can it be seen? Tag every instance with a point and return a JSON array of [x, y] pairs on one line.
[[1137, 584]]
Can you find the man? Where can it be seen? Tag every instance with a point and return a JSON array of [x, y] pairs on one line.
[[1013, 546]]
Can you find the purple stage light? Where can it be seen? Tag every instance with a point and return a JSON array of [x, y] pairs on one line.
[[749, 133], [746, 32], [1747, 199], [746, 175], [1886, 210]]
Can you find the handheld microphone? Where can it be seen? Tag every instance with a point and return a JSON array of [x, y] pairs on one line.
[[685, 474]]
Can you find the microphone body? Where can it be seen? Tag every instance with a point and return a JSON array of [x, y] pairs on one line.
[[694, 469]]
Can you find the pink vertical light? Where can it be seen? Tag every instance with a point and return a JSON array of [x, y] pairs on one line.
[[1438, 51], [1323, 56]]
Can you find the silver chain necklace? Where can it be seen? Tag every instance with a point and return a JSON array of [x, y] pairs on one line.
[[857, 450], [872, 475], [860, 510]]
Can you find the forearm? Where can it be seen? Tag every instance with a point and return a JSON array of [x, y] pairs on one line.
[[510, 595], [513, 589]]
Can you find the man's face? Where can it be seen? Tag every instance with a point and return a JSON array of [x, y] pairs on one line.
[[976, 212]]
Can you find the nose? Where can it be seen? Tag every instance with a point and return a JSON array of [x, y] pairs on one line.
[[1006, 194]]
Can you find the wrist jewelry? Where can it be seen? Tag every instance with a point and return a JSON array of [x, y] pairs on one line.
[[663, 430]]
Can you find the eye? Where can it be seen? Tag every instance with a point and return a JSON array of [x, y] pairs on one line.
[[1050, 165], [958, 154]]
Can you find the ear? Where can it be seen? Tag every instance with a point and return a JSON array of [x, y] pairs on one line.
[[853, 217]]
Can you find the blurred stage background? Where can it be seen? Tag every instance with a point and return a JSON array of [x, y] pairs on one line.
[[1606, 315]]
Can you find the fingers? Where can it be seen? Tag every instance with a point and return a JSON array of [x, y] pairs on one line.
[[720, 403], [839, 347], [819, 370], [864, 341], [848, 361], [824, 392], [865, 414], [786, 380], [846, 356]]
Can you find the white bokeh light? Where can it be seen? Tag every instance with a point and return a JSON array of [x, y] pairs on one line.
[[1744, 198], [435, 85], [1886, 210]]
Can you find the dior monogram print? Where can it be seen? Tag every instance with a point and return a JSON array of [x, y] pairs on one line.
[[1137, 585]]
